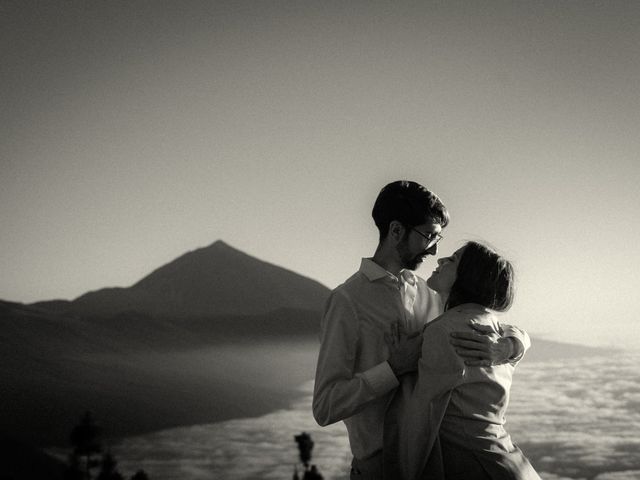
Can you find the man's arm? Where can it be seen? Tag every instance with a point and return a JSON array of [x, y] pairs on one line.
[[339, 390], [486, 348], [519, 339]]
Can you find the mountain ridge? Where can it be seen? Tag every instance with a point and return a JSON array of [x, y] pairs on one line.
[[208, 281]]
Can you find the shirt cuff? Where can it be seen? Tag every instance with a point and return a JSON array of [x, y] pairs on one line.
[[522, 336], [381, 378]]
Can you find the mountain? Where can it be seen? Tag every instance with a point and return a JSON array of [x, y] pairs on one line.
[[205, 297], [213, 281], [543, 350], [115, 350]]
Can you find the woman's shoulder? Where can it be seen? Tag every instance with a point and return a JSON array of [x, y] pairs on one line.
[[460, 317]]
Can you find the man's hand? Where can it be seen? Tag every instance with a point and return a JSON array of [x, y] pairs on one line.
[[404, 352], [484, 347]]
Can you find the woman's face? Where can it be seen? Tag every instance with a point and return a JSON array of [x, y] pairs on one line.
[[444, 276]]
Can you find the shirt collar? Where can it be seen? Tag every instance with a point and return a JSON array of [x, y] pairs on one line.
[[374, 272]]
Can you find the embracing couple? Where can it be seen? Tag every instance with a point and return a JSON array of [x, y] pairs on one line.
[[420, 371]]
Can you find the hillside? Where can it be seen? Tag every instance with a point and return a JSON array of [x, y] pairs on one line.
[[109, 351]]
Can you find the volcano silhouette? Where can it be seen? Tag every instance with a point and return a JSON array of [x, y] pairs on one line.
[[217, 280]]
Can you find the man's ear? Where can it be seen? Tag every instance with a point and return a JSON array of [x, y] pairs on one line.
[[396, 231]]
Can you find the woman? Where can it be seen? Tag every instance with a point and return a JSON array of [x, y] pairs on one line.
[[448, 423]]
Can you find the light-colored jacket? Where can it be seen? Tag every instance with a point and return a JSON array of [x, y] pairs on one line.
[[463, 405]]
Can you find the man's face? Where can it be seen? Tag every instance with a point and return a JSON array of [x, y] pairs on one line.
[[418, 243]]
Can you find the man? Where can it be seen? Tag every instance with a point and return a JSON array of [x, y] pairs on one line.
[[372, 323]]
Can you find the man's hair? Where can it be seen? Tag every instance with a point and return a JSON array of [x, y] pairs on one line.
[[408, 203], [483, 277]]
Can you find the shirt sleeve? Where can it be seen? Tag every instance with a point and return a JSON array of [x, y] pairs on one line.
[[339, 390], [520, 335], [440, 370]]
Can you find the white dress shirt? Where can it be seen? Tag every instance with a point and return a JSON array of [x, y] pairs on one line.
[[354, 382]]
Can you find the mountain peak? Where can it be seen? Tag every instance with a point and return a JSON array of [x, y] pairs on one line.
[[219, 247], [220, 244], [213, 280]]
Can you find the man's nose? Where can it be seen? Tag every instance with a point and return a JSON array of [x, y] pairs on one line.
[[433, 250]]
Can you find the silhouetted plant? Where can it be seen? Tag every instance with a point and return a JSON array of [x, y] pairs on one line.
[[312, 474], [305, 446], [85, 440], [108, 468]]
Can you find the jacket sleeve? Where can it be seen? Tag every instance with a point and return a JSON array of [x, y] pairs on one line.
[[340, 391]]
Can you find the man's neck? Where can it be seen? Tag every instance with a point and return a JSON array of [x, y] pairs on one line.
[[387, 259]]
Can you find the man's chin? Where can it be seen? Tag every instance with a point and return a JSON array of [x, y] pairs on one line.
[[414, 264]]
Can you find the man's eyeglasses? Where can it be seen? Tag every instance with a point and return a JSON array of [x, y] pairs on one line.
[[431, 238]]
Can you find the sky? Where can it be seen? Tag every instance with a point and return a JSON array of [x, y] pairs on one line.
[[135, 131]]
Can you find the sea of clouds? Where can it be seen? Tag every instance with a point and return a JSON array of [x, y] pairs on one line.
[[575, 419]]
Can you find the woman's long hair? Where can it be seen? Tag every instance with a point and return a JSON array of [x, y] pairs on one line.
[[483, 277]]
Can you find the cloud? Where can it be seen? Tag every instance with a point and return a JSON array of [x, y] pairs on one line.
[[579, 417], [261, 447], [626, 475], [576, 420]]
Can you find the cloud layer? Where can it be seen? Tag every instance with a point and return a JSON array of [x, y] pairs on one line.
[[576, 419]]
